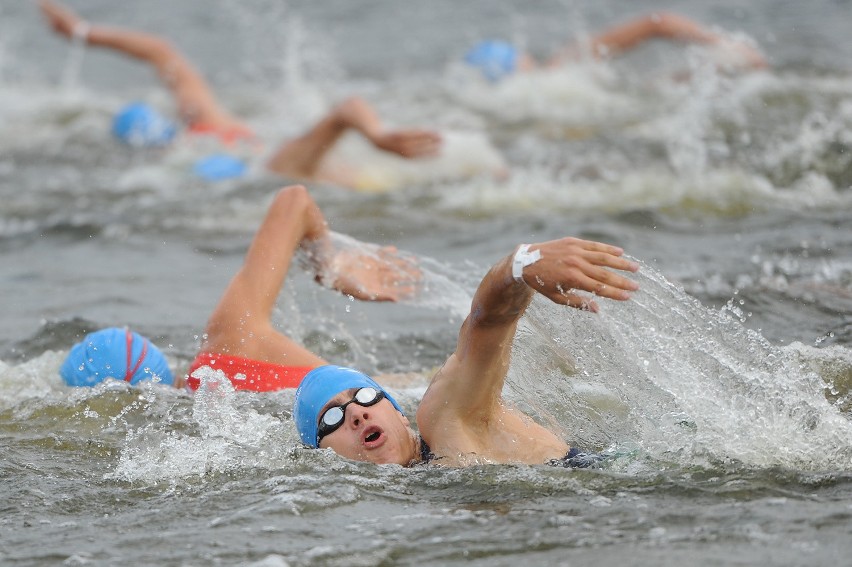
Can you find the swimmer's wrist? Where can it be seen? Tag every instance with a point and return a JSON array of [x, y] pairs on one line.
[[80, 32], [521, 259]]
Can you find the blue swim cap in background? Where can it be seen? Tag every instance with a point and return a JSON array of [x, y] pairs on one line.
[[103, 354], [139, 125], [495, 59], [218, 167], [318, 387]]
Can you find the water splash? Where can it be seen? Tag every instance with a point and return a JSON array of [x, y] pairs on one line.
[[74, 62], [688, 384], [224, 434]]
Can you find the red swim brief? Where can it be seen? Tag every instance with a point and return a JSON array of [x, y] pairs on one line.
[[247, 373]]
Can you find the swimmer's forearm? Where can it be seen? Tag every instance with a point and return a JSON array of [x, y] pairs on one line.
[[293, 217], [136, 44], [500, 300]]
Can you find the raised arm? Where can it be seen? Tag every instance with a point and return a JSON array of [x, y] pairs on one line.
[[469, 385], [241, 324], [194, 97]]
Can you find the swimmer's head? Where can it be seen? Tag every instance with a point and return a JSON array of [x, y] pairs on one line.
[[318, 388], [114, 353], [140, 125], [219, 167], [495, 59]]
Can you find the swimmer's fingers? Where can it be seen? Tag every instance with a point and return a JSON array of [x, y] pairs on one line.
[[392, 291], [404, 264], [384, 276], [61, 19], [606, 283], [410, 143], [610, 260], [591, 246], [401, 277], [742, 53], [566, 293], [580, 302], [569, 265]]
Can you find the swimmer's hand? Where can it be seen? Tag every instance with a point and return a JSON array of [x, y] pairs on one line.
[[569, 265], [356, 113], [409, 143], [60, 18], [381, 274], [737, 54]]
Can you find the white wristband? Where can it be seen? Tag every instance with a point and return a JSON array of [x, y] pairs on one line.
[[523, 258]]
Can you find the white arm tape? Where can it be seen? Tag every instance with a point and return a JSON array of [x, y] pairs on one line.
[[523, 258]]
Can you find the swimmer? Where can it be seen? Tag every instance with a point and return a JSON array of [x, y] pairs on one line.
[[301, 158], [240, 338], [462, 418], [499, 59]]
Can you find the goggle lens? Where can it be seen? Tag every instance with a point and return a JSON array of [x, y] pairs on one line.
[[332, 418]]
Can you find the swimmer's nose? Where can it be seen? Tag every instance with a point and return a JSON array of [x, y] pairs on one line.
[[357, 416]]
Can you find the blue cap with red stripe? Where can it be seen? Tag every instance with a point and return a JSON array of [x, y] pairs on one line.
[[114, 353]]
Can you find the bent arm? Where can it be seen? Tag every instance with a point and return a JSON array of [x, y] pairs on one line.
[[470, 383], [194, 97], [661, 25], [241, 323], [303, 156], [624, 37]]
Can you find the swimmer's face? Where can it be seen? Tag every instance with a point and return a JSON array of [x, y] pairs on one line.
[[375, 434]]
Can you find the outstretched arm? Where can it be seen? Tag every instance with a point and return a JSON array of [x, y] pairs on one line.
[[303, 156], [660, 25], [195, 99], [469, 385], [241, 323]]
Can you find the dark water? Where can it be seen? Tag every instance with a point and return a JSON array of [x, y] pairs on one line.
[[721, 391]]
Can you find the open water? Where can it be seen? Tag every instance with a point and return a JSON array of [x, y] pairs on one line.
[[722, 390]]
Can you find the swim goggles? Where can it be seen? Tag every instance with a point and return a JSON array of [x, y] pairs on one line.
[[332, 418]]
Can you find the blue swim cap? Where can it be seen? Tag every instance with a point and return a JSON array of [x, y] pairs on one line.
[[104, 354], [495, 59], [139, 125], [317, 388], [218, 167]]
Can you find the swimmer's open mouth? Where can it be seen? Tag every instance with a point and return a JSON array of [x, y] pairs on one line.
[[374, 437]]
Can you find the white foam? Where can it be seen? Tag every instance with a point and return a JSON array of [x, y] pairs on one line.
[[698, 385]]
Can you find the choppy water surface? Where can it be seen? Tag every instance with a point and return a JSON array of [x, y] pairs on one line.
[[721, 392]]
